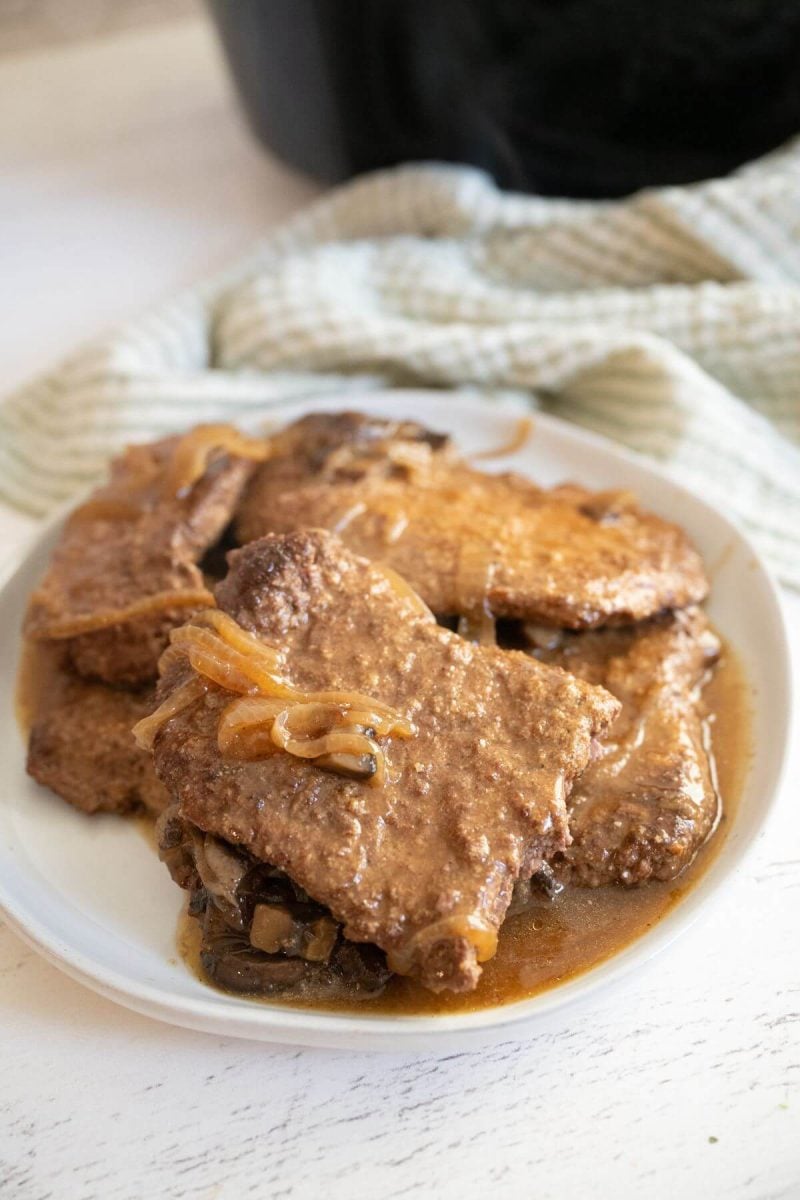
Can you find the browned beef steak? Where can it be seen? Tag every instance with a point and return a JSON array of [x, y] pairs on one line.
[[644, 807], [423, 865], [261, 933], [466, 540], [81, 746], [125, 571]]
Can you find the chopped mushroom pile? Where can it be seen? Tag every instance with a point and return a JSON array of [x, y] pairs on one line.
[[261, 933]]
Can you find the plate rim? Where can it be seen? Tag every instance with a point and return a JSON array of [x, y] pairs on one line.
[[320, 1027]]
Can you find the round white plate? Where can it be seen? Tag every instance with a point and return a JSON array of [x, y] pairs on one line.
[[91, 896]]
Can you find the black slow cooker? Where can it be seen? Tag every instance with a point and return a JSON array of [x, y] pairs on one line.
[[568, 97]]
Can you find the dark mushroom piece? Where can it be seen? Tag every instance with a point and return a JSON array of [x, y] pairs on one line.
[[262, 933], [306, 933], [542, 885], [222, 870], [232, 962]]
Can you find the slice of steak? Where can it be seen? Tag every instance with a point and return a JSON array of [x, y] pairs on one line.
[[422, 865], [261, 934], [352, 445], [469, 542], [125, 571], [644, 807], [82, 748]]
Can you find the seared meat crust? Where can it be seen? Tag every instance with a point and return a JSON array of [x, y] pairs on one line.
[[473, 801], [130, 542], [644, 807], [464, 539], [82, 748]]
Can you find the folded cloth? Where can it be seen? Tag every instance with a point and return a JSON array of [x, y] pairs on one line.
[[669, 321]]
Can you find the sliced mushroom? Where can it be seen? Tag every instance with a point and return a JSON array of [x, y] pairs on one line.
[[352, 766], [274, 929], [361, 969], [542, 885], [222, 868], [232, 963], [262, 933], [545, 881]]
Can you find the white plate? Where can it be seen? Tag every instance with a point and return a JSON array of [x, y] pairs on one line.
[[90, 895]]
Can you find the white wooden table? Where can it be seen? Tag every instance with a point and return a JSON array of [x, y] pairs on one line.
[[125, 174]]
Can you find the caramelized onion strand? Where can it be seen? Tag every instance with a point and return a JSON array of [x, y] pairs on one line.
[[145, 731], [336, 729], [191, 456], [40, 629]]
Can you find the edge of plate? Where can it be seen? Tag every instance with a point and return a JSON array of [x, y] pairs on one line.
[[320, 1028]]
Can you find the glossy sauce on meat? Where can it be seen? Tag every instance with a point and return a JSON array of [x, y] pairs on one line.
[[557, 940], [398, 494]]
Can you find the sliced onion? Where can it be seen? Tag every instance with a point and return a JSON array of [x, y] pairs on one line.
[[336, 728], [232, 632], [229, 668], [335, 741], [39, 628], [249, 711], [308, 717], [256, 726], [245, 727], [342, 751], [480, 935], [402, 589], [106, 508], [192, 453], [145, 730], [348, 516], [349, 741]]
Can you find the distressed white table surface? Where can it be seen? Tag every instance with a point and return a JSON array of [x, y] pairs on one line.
[[127, 161]]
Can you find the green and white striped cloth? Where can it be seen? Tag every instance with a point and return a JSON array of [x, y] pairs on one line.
[[669, 321]]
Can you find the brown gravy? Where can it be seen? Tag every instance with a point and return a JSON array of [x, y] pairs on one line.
[[555, 940], [559, 939]]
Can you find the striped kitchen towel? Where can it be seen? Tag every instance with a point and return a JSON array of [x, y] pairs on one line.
[[669, 321]]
